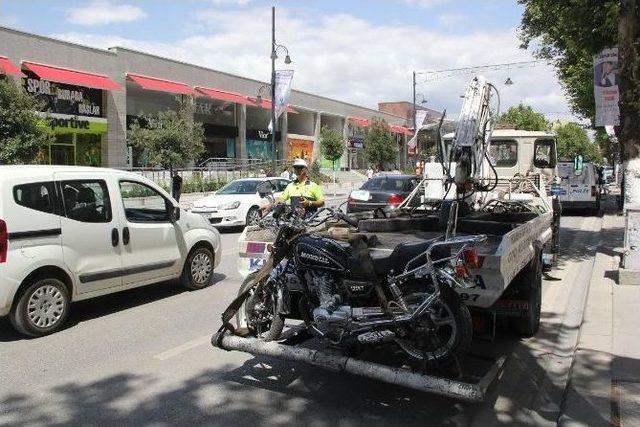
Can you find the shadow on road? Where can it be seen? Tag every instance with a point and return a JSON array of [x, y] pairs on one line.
[[105, 305]]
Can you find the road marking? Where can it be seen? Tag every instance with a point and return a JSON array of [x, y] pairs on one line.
[[189, 345]]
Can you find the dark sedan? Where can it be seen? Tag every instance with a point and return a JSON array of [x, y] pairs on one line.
[[381, 194]]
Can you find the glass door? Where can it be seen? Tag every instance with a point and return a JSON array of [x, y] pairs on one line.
[[63, 152]]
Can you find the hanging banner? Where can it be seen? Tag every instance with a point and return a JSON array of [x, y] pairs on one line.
[[421, 115], [283, 90], [605, 87]]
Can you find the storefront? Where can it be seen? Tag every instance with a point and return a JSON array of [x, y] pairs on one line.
[[74, 115], [356, 130], [259, 145], [300, 147], [220, 130]]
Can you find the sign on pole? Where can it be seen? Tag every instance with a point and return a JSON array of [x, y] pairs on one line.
[[605, 87]]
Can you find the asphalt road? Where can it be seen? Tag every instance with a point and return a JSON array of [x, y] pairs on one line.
[[143, 357]]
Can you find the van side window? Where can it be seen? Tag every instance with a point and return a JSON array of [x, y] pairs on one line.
[[544, 155], [143, 204], [86, 200], [39, 196], [504, 153]]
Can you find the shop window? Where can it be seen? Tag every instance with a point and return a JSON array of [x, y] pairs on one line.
[[89, 149], [544, 153], [503, 153], [143, 203], [39, 196], [86, 200]]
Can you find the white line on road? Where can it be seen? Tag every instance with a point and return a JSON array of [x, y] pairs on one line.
[[189, 345]]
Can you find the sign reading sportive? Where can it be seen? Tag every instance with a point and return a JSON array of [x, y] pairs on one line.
[[64, 99]]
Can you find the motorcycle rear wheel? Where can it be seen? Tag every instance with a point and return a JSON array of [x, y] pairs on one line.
[[271, 327], [453, 329]]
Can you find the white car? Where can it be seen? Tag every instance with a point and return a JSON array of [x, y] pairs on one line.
[[238, 203], [72, 233]]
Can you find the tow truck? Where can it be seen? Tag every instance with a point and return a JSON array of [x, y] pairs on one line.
[[493, 183]]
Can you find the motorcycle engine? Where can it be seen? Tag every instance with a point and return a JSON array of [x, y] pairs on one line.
[[329, 316]]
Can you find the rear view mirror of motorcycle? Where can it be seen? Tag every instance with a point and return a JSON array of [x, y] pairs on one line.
[[265, 190]]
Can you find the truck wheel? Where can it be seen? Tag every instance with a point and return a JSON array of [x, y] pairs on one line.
[[41, 308], [529, 288], [198, 270]]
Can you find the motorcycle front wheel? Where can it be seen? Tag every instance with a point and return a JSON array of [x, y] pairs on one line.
[[259, 312]]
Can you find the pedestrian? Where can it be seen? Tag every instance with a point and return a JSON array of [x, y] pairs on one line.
[[285, 174], [176, 185], [369, 173]]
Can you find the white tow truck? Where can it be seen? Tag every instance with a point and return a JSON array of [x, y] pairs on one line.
[[492, 183]]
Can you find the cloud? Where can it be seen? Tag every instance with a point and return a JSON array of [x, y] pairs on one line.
[[424, 3], [102, 12], [350, 59], [450, 19]]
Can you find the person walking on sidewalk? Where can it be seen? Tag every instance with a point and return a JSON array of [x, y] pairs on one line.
[[176, 185]]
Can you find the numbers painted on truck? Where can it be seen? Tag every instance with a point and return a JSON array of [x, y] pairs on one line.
[[469, 297]]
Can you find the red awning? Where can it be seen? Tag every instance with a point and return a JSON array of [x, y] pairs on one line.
[[73, 77], [401, 129], [7, 67], [222, 95], [266, 104], [359, 121], [161, 85]]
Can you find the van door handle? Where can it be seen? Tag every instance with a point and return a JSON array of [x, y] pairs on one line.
[[125, 235], [114, 237]]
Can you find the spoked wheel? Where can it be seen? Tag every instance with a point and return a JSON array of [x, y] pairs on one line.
[[253, 216], [259, 313], [445, 328]]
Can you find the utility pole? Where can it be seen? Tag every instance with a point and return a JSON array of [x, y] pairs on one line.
[[629, 134], [274, 123], [415, 125]]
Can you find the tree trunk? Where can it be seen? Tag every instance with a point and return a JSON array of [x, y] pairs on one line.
[[629, 137]]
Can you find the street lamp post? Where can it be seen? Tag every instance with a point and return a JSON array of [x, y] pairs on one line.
[[274, 123]]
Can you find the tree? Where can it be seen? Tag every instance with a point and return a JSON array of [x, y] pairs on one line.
[[171, 138], [379, 145], [331, 144], [573, 140], [22, 138], [523, 117]]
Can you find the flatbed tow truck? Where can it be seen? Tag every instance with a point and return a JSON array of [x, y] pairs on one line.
[[511, 206]]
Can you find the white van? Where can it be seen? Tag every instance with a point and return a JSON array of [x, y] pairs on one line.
[[579, 189], [73, 233]]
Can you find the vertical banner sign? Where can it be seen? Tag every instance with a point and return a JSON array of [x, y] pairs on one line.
[[282, 92], [605, 87], [413, 142]]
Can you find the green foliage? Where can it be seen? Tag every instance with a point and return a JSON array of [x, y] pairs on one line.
[[198, 184], [331, 144], [316, 175], [609, 150], [171, 138], [570, 34], [21, 139], [573, 140], [523, 117], [379, 145]]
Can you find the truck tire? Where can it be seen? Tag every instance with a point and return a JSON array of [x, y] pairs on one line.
[[529, 288]]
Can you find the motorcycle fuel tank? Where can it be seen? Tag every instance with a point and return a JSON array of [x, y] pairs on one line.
[[321, 253]]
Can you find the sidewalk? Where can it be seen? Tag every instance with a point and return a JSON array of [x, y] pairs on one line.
[[604, 384]]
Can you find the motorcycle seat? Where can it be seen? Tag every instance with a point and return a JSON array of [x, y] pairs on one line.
[[399, 259]]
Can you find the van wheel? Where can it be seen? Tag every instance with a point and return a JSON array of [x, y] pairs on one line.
[[529, 288], [198, 270], [41, 308]]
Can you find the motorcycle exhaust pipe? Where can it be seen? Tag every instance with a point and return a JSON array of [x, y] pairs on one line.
[[397, 376]]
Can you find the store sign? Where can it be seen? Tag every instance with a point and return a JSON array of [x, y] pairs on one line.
[[58, 123], [355, 143], [64, 99], [261, 135]]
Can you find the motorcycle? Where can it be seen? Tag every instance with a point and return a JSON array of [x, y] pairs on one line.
[[355, 296]]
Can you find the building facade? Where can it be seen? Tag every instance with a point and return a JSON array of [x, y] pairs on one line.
[[90, 97]]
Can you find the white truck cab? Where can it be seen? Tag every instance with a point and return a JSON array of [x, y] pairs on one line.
[[73, 233]]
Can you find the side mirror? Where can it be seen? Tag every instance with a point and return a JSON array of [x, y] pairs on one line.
[[265, 190], [174, 213]]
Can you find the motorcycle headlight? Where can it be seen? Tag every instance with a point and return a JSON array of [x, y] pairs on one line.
[[229, 206]]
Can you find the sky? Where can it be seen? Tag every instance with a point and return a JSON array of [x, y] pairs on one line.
[[356, 51]]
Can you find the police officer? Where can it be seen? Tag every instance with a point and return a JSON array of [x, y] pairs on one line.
[[310, 193]]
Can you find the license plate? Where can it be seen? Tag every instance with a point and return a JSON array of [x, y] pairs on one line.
[[360, 195]]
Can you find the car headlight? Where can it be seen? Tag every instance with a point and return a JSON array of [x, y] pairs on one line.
[[229, 206]]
